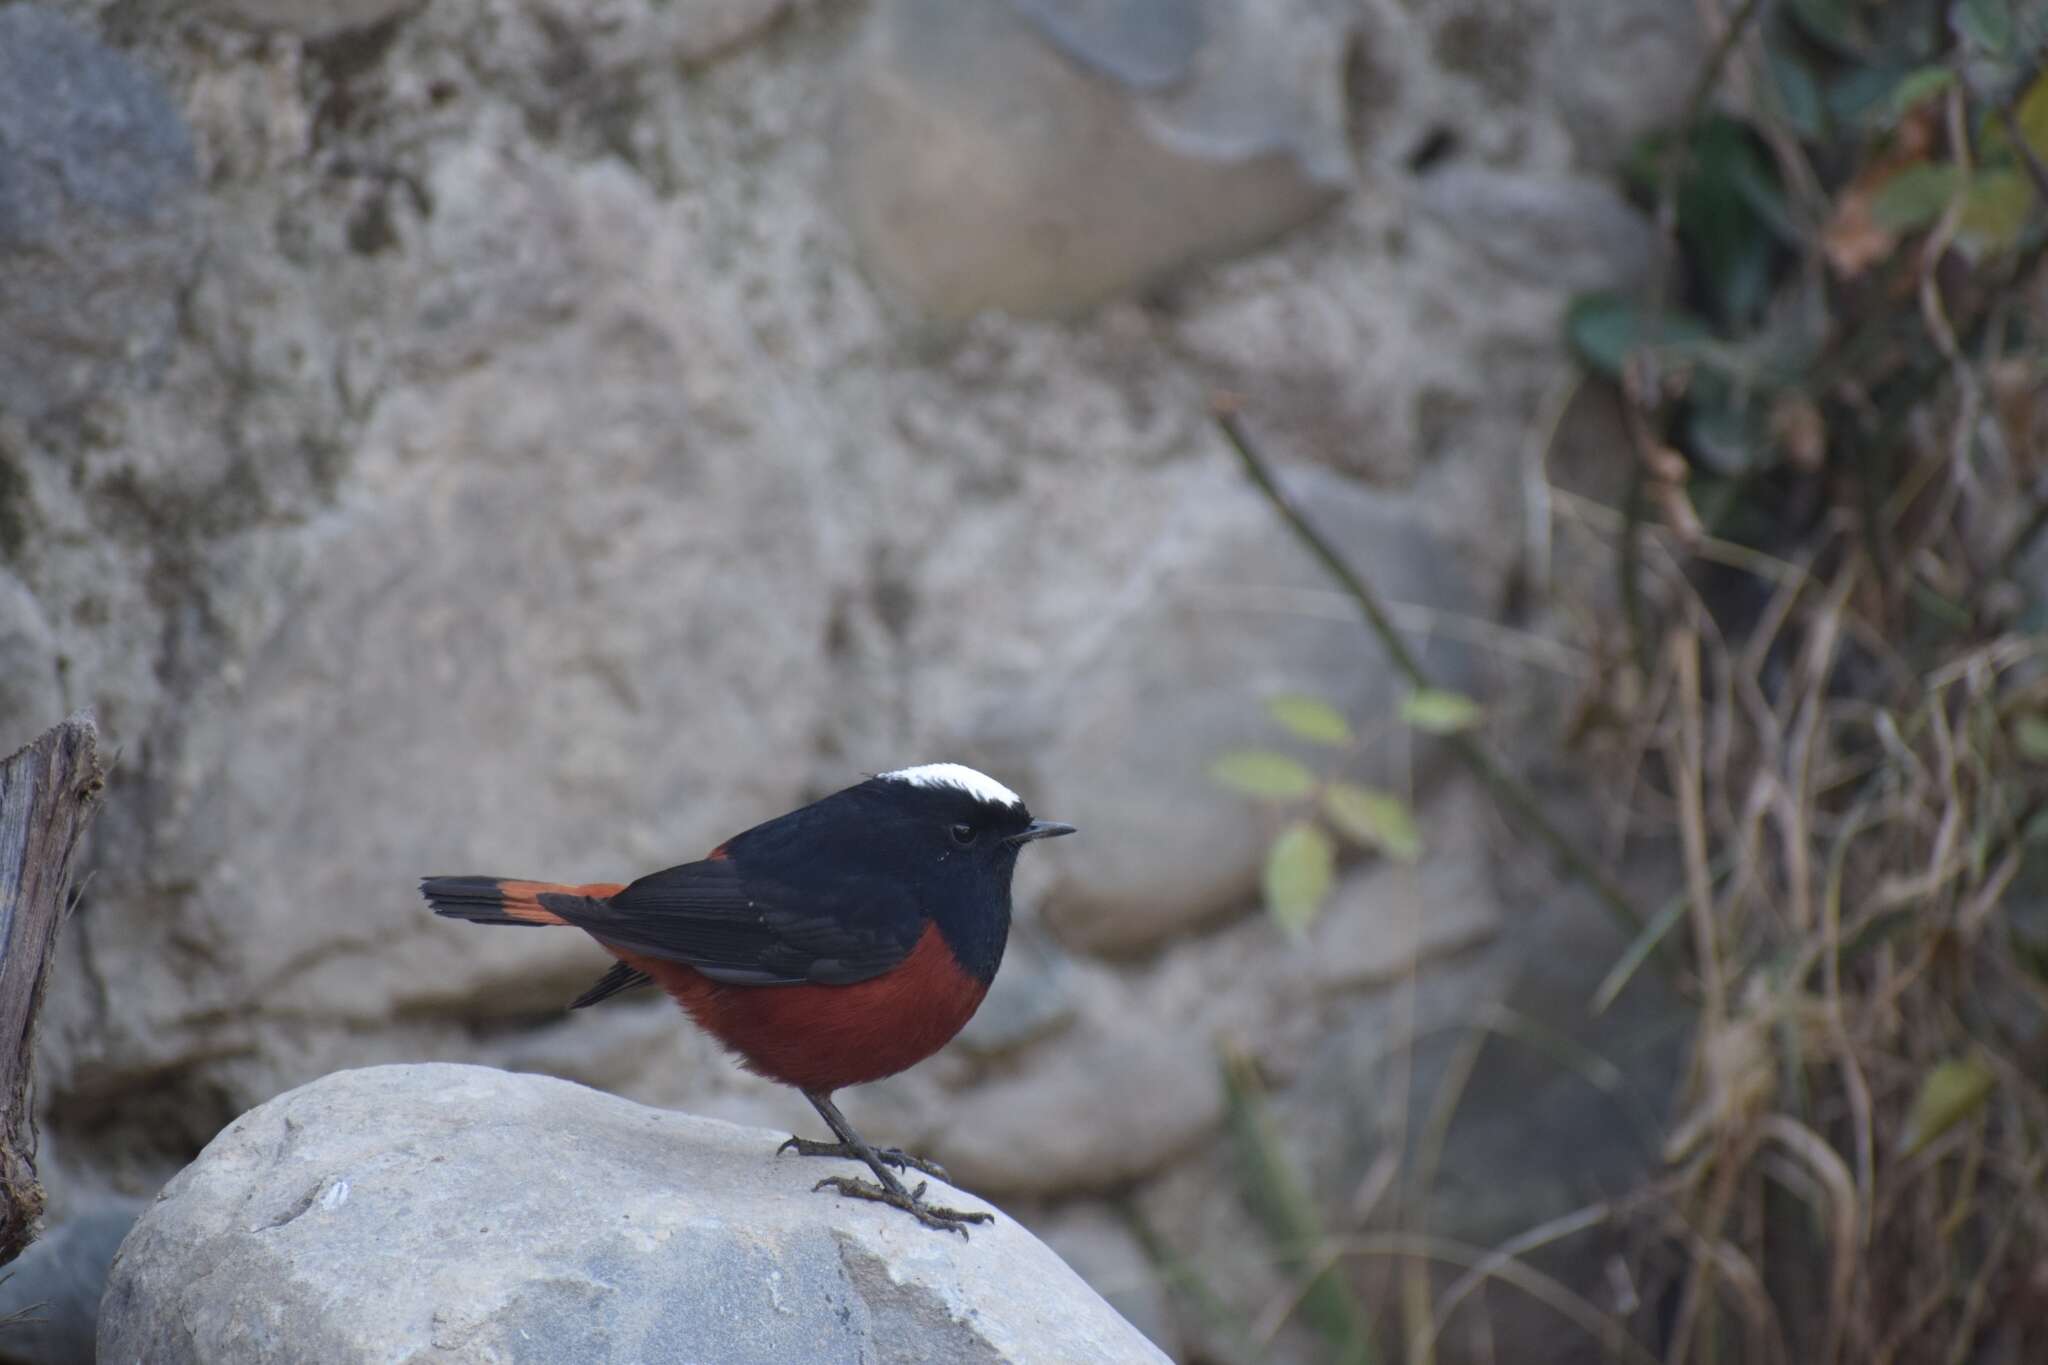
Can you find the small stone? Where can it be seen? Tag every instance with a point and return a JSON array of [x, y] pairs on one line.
[[57, 1284], [402, 1211], [1569, 232]]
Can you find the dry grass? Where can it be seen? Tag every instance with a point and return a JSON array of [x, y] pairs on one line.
[[1846, 741], [1856, 1175], [1821, 682]]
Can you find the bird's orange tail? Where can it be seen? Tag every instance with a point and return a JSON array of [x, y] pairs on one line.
[[499, 900]]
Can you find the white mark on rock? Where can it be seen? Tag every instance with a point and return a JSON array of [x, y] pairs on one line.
[[336, 1196]]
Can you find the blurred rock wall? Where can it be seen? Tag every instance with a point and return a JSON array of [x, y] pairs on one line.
[[546, 436]]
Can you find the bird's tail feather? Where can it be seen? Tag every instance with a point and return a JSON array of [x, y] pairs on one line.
[[500, 900]]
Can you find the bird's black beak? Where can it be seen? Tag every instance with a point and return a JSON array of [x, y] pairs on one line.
[[1041, 829]]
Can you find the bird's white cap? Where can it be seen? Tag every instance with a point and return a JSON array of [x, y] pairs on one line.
[[978, 785]]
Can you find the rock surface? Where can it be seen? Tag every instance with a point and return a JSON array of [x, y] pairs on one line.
[[307, 18], [96, 167], [473, 1215], [56, 1286], [1016, 156], [1102, 1247], [1138, 717], [1570, 230], [479, 442]]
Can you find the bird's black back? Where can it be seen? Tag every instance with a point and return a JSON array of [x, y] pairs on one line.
[[837, 891]]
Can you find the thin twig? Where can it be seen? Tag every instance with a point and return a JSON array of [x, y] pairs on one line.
[[1551, 1292], [1994, 1256], [1724, 47], [1519, 801], [2037, 171], [1688, 778], [1521, 1244]]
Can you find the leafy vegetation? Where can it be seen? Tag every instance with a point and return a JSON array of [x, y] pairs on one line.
[[1825, 692], [1319, 807], [1830, 651]]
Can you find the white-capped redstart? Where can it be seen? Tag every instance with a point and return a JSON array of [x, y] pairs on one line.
[[832, 946]]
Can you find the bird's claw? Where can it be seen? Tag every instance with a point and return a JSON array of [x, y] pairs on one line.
[[910, 1201], [888, 1156]]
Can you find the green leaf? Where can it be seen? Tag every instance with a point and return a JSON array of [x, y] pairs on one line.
[[1861, 92], [1299, 869], [1719, 217], [1950, 1093], [1722, 436], [1915, 196], [1920, 84], [2031, 114], [1263, 774], [1436, 712], [1833, 22], [1987, 23], [1312, 719], [1799, 97], [1376, 819], [1638, 952], [1605, 328], [2030, 736], [1997, 207]]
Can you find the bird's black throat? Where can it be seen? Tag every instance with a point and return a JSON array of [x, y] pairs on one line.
[[976, 932]]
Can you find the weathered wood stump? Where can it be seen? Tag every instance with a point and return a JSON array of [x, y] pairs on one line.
[[48, 792]]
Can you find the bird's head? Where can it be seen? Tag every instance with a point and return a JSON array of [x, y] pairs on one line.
[[950, 813], [955, 833]]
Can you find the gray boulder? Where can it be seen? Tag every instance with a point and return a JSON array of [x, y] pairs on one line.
[[1042, 156], [397, 1211], [1178, 666]]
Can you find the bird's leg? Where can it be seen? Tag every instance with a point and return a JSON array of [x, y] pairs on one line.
[[851, 1148], [888, 1156], [890, 1190]]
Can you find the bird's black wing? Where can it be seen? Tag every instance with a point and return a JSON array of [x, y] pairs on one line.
[[746, 929], [619, 978]]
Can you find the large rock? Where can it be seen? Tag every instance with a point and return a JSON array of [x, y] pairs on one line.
[[473, 1215], [95, 170], [1226, 610], [532, 481], [1040, 157]]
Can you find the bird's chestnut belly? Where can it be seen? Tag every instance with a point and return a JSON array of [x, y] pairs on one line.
[[820, 1037]]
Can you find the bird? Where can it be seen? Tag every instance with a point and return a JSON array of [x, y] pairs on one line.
[[840, 943]]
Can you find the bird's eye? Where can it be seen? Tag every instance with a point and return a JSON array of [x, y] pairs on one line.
[[962, 834]]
